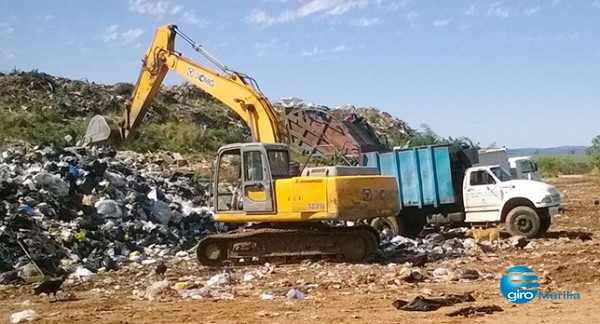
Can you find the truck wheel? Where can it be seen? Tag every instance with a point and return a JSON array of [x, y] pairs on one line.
[[390, 223], [544, 224], [523, 221]]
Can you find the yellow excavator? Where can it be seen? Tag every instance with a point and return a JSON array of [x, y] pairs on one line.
[[288, 212]]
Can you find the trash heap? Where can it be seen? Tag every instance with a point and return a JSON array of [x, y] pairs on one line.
[[94, 207], [430, 248]]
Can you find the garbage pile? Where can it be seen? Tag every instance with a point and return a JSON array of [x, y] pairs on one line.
[[93, 207], [432, 247]]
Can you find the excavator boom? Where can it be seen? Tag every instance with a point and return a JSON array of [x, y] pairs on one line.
[[231, 88]]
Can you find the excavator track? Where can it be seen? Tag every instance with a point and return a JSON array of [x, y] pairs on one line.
[[284, 244]]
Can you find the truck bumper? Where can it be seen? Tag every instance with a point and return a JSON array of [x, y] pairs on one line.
[[552, 211]]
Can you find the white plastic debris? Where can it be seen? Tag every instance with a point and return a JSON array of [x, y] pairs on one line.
[[52, 183], [115, 179], [266, 296], [219, 279], [29, 183], [27, 315], [182, 254], [81, 274], [109, 208], [156, 289], [294, 294], [162, 212]]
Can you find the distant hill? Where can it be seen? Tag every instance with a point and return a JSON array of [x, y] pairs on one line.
[[561, 150]]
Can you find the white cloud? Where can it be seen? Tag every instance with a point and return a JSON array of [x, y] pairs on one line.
[[441, 23], [312, 52], [315, 50], [262, 49], [411, 16], [110, 33], [496, 9], [130, 35], [5, 30], [395, 5], [154, 7], [470, 11], [366, 22], [125, 37], [339, 48], [309, 7], [530, 11], [191, 18], [555, 38]]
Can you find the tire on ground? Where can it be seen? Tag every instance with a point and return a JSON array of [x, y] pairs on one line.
[[545, 222], [523, 221], [390, 222]]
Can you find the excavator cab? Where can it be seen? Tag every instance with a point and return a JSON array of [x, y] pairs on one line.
[[245, 174]]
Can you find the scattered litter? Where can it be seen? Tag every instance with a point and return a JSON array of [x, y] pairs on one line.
[[294, 294], [422, 304], [27, 315], [266, 296], [476, 311]]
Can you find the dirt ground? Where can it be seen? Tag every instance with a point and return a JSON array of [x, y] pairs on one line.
[[343, 293]]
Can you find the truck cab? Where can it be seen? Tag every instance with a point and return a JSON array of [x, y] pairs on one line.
[[490, 194], [523, 167]]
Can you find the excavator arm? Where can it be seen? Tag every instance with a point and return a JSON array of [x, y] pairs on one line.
[[231, 88]]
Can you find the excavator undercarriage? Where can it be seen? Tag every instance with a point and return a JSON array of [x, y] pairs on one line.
[[285, 243]]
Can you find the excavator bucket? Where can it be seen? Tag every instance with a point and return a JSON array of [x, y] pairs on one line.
[[102, 130]]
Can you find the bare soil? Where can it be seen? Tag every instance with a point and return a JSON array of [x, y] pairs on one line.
[[343, 293]]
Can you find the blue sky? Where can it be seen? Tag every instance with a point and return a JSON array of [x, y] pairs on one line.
[[513, 73]]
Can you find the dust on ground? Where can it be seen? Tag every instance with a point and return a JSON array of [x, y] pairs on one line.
[[343, 293]]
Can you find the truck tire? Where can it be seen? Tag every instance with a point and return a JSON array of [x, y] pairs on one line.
[[390, 222], [523, 221], [544, 224]]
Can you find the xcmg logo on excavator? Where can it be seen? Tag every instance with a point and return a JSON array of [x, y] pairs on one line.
[[201, 77]]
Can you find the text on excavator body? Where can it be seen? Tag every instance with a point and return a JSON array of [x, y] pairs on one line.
[[201, 77]]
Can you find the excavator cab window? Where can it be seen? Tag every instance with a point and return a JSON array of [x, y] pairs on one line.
[[257, 183], [253, 167], [279, 161], [229, 181]]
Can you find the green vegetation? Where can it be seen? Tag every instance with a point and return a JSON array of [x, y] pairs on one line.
[[594, 151], [554, 165]]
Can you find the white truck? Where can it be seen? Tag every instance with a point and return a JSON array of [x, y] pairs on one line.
[[439, 185], [520, 167]]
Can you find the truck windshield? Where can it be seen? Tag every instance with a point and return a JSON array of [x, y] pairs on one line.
[[501, 174], [527, 166]]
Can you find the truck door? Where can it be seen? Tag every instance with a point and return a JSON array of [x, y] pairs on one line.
[[257, 185], [483, 192]]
